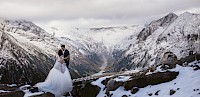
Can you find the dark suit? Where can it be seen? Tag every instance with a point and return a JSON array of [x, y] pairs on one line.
[[66, 53]]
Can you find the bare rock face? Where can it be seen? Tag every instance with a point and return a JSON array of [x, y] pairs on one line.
[[168, 60]]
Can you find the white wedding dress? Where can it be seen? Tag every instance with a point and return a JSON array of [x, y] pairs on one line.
[[58, 81]]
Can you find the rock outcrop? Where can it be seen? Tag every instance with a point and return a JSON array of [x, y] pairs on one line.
[[152, 79], [113, 85], [85, 89], [169, 60]]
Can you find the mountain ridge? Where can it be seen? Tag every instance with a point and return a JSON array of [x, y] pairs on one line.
[[148, 51]]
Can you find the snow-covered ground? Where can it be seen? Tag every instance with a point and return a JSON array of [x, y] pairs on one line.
[[187, 84], [3, 91]]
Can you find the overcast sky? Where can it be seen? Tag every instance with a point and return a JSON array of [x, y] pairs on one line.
[[93, 13]]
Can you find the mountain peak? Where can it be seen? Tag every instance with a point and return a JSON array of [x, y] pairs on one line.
[[171, 14], [188, 14], [154, 25], [22, 25], [165, 21]]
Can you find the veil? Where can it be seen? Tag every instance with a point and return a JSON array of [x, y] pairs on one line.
[[58, 65], [58, 80]]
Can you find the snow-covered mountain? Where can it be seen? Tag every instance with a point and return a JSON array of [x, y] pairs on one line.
[[28, 53], [18, 64], [105, 42], [178, 34], [95, 49], [142, 45]]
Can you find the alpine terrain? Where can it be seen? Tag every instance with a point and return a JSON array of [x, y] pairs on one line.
[[161, 58]]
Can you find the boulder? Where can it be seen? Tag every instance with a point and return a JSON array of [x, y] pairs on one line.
[[189, 58], [124, 96], [150, 94], [85, 89], [157, 92], [171, 92], [113, 85], [197, 56], [196, 67], [123, 69], [104, 82], [134, 90], [152, 79], [168, 60]]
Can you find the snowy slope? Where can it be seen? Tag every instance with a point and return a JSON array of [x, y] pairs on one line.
[[18, 65], [186, 85], [180, 35], [110, 36], [41, 47]]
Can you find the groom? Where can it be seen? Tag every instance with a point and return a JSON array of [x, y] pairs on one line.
[[63, 51]]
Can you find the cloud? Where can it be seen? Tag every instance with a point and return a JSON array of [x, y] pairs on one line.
[[91, 13]]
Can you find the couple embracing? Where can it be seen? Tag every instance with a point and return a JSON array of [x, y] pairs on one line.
[[59, 79]]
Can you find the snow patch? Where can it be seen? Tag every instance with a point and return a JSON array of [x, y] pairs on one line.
[[122, 78], [3, 91], [99, 84], [12, 85]]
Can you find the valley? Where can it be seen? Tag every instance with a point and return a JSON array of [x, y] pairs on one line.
[[28, 52]]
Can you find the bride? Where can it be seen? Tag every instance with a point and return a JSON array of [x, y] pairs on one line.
[[58, 80]]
